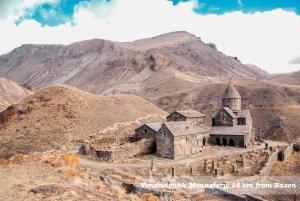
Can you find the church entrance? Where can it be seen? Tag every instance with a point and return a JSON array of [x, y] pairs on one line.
[[218, 141], [224, 142], [231, 142]]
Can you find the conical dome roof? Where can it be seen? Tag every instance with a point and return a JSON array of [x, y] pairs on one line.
[[231, 92]]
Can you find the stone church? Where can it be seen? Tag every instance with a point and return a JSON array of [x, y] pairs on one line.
[[232, 125]]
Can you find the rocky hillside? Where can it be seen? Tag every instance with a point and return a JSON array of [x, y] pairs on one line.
[[99, 65], [11, 92], [288, 78], [59, 116]]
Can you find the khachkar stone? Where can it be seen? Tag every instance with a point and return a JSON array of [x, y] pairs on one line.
[[216, 172], [152, 165], [173, 173], [205, 166], [271, 149], [191, 170], [213, 165]]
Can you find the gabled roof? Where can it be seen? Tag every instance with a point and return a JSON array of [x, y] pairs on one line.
[[180, 128], [189, 113], [154, 126], [229, 111], [231, 130], [231, 92], [244, 114]]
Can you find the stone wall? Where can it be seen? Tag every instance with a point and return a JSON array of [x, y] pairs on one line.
[[223, 119], [265, 171], [164, 143], [124, 151], [288, 151], [144, 132], [176, 117], [185, 146], [249, 138]]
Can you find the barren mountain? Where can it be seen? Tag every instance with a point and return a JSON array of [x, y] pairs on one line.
[[174, 71], [288, 78], [58, 116], [11, 92], [98, 65]]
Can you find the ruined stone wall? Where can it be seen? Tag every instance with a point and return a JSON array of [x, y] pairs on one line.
[[164, 143], [124, 151], [265, 171]]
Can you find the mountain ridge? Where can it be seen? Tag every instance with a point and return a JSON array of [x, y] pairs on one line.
[[93, 63]]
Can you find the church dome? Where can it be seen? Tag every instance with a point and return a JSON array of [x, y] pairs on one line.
[[231, 92]]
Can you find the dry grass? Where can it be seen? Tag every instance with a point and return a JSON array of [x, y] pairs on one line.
[[40, 177], [289, 167], [58, 116]]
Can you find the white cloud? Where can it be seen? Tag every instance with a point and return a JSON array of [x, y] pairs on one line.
[[268, 39]]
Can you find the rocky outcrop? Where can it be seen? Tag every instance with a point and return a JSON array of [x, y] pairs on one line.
[[157, 62]]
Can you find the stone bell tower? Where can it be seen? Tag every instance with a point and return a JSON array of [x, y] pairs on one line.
[[232, 99]]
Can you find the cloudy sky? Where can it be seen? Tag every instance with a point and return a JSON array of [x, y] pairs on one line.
[[261, 32]]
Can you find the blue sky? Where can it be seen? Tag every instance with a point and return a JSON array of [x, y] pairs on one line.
[[62, 11], [247, 6], [53, 13], [260, 32]]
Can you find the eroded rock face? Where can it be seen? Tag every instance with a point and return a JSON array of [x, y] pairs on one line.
[[158, 62]]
